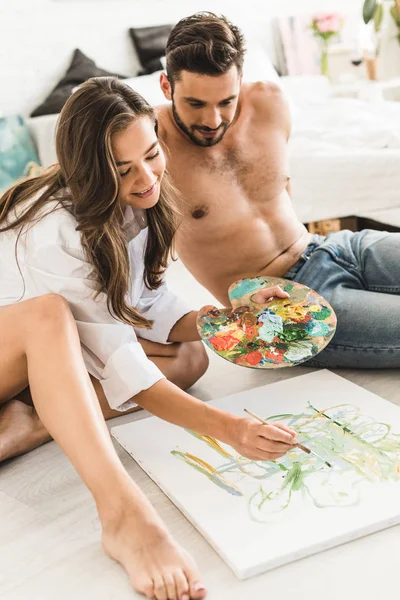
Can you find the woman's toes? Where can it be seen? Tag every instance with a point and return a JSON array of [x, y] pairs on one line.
[[170, 586], [144, 587], [182, 586], [160, 592], [197, 590], [196, 587]]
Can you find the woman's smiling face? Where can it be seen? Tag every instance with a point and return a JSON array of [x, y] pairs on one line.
[[141, 163]]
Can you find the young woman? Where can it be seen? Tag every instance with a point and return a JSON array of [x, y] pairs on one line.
[[83, 249]]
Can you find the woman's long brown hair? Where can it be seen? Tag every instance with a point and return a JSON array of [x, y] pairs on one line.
[[88, 179]]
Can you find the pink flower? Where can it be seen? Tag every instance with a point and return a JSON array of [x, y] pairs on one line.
[[327, 23]]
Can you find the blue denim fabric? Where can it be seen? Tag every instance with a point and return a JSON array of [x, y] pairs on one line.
[[359, 274]]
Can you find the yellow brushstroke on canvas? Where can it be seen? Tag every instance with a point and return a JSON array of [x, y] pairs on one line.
[[211, 470], [200, 462], [215, 445]]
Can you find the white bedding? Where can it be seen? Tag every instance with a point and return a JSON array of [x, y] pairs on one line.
[[347, 123], [342, 182], [345, 158]]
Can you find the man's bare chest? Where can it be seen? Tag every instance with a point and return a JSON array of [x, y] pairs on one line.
[[210, 180]]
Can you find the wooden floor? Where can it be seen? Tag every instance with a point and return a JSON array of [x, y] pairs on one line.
[[49, 531]]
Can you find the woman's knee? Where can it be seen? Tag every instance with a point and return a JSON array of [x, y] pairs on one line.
[[51, 309], [195, 359]]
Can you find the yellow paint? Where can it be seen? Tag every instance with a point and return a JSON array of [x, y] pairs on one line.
[[315, 308], [201, 462], [210, 469], [215, 445], [295, 312]]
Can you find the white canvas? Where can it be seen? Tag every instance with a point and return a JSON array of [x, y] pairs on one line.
[[282, 513]]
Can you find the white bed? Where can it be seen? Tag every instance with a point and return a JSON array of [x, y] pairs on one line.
[[345, 153], [342, 182], [345, 158]]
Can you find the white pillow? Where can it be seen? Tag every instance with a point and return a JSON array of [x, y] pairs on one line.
[[42, 130], [148, 86], [258, 66], [306, 89]]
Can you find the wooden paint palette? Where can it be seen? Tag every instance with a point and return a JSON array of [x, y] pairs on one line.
[[283, 332]]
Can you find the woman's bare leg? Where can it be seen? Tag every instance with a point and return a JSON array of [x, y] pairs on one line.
[[40, 346], [183, 364]]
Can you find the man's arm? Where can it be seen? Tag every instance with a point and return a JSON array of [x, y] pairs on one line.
[[271, 103]]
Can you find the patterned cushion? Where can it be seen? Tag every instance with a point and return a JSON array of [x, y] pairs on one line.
[[16, 150], [32, 169]]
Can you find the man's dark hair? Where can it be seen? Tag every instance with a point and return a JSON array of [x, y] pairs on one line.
[[204, 43]]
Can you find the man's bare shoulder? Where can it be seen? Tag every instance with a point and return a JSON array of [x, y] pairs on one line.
[[163, 119], [163, 109], [268, 102], [264, 94]]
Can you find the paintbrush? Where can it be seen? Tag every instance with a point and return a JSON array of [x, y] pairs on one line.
[[298, 445]]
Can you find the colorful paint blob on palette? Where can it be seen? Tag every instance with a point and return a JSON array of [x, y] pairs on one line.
[[283, 332]]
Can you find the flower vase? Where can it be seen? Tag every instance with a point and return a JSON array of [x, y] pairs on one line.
[[324, 62]]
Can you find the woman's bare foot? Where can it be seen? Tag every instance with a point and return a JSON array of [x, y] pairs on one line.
[[157, 566], [20, 429]]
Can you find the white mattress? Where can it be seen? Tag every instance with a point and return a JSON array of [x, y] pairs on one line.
[[345, 158], [344, 182], [389, 216]]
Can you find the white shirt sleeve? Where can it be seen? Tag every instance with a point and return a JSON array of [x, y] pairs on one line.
[[162, 307], [110, 348]]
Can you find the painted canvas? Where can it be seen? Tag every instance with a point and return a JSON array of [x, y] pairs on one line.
[[280, 333], [259, 515]]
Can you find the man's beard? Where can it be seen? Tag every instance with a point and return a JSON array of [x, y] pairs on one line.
[[189, 131]]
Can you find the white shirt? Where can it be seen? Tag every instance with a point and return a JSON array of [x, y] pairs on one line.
[[51, 259]]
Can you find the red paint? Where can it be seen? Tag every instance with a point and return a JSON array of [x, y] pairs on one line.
[[223, 342], [254, 358]]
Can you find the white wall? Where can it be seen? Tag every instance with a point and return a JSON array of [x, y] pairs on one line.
[[37, 37]]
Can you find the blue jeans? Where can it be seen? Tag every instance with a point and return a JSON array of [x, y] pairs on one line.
[[359, 275]]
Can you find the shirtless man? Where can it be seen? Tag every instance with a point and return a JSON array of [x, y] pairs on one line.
[[227, 144]]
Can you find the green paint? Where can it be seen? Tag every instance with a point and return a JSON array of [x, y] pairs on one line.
[[292, 333], [322, 314]]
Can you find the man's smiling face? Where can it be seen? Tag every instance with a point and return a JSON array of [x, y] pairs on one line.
[[204, 106]]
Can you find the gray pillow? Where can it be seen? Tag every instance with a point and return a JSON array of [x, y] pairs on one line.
[[81, 69], [150, 44]]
